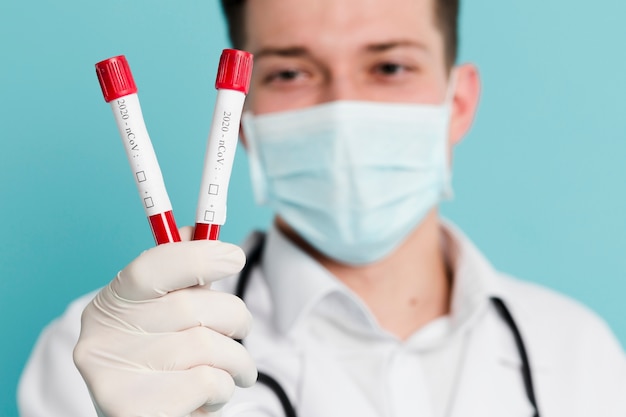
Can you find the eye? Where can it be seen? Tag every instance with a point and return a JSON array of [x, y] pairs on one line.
[[387, 69], [283, 76]]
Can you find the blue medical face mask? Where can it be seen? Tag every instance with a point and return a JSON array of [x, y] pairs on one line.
[[352, 178]]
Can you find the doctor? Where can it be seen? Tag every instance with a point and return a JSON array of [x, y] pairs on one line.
[[363, 301]]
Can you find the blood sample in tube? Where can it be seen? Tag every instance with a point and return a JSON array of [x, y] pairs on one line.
[[232, 84], [120, 91]]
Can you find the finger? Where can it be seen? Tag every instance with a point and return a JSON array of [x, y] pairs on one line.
[[203, 412], [174, 266], [185, 350], [166, 351], [178, 310], [186, 233], [161, 393]]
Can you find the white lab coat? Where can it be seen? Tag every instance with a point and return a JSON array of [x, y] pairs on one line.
[[578, 367]]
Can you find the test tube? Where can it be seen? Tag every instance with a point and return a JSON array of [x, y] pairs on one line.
[[232, 84], [120, 91]]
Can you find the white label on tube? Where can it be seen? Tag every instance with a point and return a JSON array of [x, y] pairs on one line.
[[141, 156], [218, 160]]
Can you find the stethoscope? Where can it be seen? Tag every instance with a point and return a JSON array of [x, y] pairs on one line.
[[254, 257]]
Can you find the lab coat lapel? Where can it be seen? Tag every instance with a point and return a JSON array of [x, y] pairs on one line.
[[491, 382]]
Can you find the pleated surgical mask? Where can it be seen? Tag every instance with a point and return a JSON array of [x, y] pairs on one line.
[[352, 178]]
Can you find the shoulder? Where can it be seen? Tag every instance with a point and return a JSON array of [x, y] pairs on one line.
[[50, 379], [67, 326], [567, 338], [549, 311], [573, 351]]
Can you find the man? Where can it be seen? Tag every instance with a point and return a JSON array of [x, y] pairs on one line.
[[364, 302]]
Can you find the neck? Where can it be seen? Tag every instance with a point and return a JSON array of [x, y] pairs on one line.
[[405, 290]]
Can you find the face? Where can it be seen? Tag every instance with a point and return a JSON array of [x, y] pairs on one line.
[[316, 51]]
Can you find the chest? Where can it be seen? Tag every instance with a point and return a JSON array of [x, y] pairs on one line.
[[327, 374]]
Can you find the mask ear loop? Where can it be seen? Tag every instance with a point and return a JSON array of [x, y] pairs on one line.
[[453, 79], [447, 192]]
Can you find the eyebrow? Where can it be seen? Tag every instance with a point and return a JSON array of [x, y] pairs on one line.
[[287, 52], [386, 46], [300, 51]]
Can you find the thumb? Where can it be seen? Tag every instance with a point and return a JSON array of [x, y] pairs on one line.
[[173, 266]]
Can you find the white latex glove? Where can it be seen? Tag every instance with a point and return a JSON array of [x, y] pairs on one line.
[[158, 342]]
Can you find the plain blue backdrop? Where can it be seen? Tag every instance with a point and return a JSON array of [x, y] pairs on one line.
[[539, 181]]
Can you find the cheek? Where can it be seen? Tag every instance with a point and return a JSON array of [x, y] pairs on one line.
[[261, 101], [425, 89]]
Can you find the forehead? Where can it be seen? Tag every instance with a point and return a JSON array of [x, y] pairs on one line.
[[339, 24]]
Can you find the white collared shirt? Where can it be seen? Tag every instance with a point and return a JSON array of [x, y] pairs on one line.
[[317, 323]]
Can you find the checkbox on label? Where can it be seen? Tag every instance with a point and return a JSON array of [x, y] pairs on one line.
[[214, 189], [141, 176], [148, 202], [209, 216]]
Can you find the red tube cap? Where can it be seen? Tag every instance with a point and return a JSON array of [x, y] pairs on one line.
[[234, 71], [115, 78]]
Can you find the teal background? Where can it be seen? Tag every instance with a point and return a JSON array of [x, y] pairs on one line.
[[539, 181]]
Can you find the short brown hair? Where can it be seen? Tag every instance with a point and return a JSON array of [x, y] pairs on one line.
[[446, 12]]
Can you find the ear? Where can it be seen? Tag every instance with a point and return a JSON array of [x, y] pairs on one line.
[[465, 102]]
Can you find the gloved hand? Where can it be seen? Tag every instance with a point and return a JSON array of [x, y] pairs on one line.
[[158, 342]]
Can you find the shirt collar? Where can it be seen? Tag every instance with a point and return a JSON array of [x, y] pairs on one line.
[[297, 283], [474, 278]]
